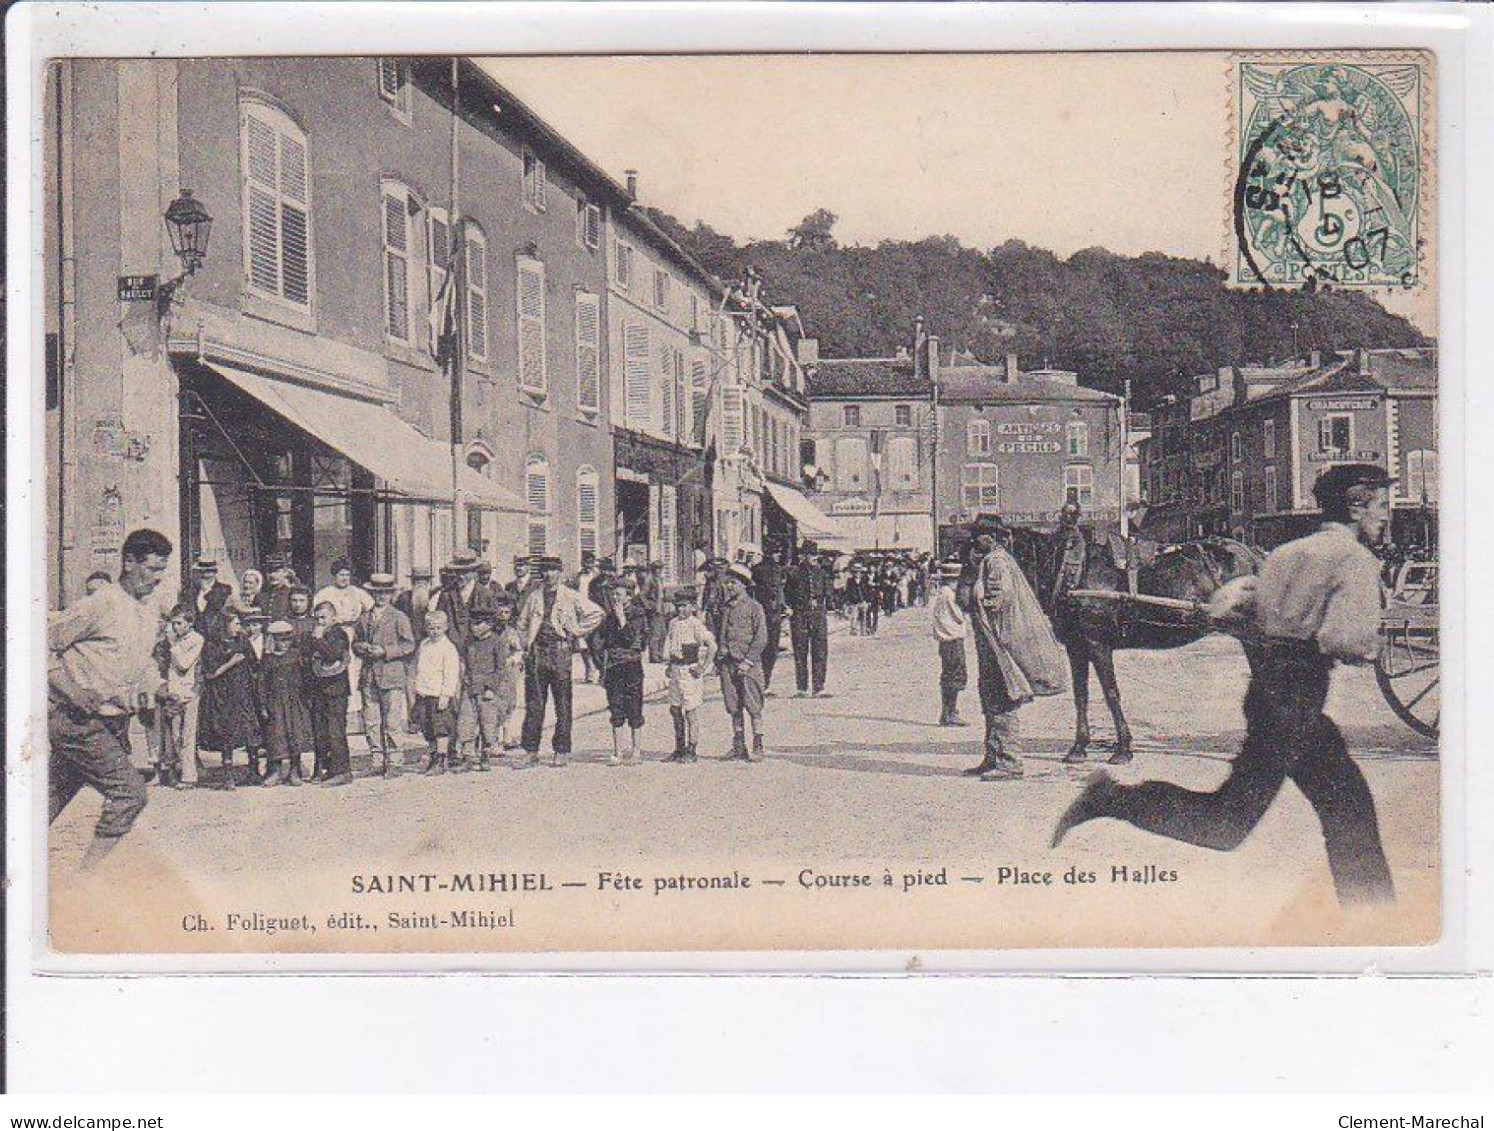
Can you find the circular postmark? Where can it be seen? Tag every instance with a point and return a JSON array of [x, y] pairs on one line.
[[1329, 178]]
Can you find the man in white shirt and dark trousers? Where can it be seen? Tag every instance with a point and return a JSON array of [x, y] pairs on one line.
[[1317, 602], [101, 669], [950, 629], [553, 618]]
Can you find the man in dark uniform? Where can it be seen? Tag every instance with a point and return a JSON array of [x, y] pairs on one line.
[[1317, 601], [808, 593], [767, 587]]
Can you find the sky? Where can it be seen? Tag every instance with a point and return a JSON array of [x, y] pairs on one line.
[[1125, 151]]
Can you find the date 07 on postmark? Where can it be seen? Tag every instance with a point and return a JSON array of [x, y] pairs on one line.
[[1330, 156]]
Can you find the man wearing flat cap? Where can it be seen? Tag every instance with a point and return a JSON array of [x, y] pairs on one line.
[[1317, 603], [553, 618]]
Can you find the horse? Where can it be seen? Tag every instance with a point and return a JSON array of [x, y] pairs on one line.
[[1092, 630]]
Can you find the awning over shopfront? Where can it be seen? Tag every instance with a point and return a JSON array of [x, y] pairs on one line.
[[375, 438], [810, 518]]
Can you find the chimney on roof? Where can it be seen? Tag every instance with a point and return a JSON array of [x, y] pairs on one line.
[[902, 353], [632, 181], [1315, 359], [1012, 372], [808, 351], [1364, 362]]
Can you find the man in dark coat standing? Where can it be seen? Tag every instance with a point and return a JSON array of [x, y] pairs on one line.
[[465, 596], [808, 595], [1016, 653], [767, 587]]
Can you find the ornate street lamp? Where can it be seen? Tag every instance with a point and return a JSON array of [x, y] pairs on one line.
[[189, 225]]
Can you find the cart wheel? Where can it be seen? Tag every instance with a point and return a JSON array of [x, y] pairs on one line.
[[1409, 673]]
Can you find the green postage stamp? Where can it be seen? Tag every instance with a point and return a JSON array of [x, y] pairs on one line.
[[1331, 169]]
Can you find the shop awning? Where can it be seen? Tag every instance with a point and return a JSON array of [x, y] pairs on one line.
[[376, 439], [809, 517]]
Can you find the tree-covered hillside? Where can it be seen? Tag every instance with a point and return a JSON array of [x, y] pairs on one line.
[[1152, 319]]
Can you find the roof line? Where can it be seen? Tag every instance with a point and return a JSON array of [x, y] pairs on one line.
[[579, 161]]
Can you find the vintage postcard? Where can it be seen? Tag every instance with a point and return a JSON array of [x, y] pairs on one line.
[[512, 506]]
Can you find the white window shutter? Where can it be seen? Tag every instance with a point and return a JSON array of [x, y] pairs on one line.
[[295, 237], [731, 419], [263, 204], [587, 509], [540, 184], [531, 298], [588, 351], [698, 395], [537, 498], [636, 376], [440, 250], [477, 294], [277, 205], [665, 376], [624, 266], [396, 266], [389, 78]]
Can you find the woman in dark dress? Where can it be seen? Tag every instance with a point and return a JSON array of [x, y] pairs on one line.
[[327, 650], [229, 718], [288, 730], [210, 620]]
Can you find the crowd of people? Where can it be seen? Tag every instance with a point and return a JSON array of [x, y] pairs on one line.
[[269, 672], [872, 584], [251, 683]]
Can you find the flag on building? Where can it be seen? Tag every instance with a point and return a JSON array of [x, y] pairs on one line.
[[441, 330]]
